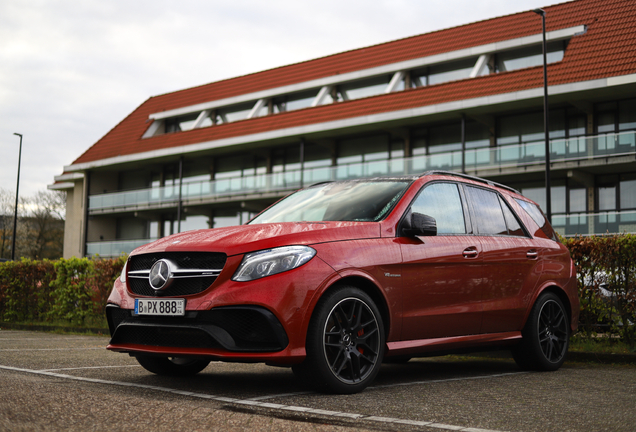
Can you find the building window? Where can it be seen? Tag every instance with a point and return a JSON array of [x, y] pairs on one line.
[[628, 193], [578, 200], [627, 115], [365, 88], [182, 123], [442, 73], [294, 101], [529, 56], [234, 113]]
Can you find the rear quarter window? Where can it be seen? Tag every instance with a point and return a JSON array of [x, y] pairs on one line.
[[537, 215]]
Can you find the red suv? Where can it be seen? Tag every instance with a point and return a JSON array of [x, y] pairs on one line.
[[338, 277]]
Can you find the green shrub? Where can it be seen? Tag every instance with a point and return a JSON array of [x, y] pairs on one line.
[[72, 290], [606, 273]]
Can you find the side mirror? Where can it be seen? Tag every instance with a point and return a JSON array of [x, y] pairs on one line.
[[418, 224]]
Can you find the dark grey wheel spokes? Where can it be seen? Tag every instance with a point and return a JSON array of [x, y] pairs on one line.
[[553, 331], [351, 340]]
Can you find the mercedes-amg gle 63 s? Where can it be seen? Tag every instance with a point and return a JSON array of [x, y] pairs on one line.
[[338, 277]]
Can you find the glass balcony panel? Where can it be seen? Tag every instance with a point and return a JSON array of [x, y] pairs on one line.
[[595, 224], [487, 157], [378, 168], [396, 166], [114, 248]]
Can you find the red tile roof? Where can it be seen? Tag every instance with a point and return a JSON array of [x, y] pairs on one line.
[[607, 49]]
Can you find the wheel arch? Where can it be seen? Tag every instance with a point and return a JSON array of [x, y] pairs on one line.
[[369, 288], [560, 293]]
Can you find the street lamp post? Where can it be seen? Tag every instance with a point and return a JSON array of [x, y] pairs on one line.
[[548, 194], [17, 189]]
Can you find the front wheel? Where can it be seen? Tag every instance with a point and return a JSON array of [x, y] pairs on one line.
[[546, 336], [345, 343], [172, 366]]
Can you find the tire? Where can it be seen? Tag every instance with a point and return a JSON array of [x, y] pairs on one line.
[[545, 337], [172, 366], [345, 343]]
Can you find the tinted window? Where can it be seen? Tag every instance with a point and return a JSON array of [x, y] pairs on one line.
[[514, 227], [537, 215], [442, 201], [490, 217]]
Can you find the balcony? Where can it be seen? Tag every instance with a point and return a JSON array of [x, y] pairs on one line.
[[587, 224], [475, 160]]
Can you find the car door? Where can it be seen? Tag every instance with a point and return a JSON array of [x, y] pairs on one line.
[[441, 274], [511, 260]]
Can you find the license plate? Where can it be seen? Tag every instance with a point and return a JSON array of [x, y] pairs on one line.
[[161, 307]]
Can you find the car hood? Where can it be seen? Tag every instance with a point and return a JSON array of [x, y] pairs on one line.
[[246, 238]]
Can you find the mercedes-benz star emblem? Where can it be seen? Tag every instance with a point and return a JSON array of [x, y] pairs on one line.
[[160, 275]]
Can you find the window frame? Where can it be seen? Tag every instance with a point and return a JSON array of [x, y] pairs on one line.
[[467, 220], [501, 199]]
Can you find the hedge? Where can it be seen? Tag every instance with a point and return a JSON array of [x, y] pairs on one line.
[[75, 290], [71, 290], [606, 273]]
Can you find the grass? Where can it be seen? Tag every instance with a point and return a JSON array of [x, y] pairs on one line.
[[96, 326], [599, 344]]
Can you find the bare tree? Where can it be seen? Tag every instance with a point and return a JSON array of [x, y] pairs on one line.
[[45, 234], [7, 207], [40, 230]]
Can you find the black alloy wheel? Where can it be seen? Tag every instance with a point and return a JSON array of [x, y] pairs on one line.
[[345, 343], [545, 337]]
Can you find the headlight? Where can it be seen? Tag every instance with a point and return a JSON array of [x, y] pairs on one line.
[[122, 277], [259, 264]]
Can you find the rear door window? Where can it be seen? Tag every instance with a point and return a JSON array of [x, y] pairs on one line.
[[492, 214], [489, 216]]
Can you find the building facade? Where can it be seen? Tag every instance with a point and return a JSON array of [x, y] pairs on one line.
[[466, 99]]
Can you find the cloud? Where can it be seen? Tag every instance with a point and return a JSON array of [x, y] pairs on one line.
[[71, 69]]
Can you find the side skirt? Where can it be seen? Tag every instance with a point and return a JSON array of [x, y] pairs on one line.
[[441, 346]]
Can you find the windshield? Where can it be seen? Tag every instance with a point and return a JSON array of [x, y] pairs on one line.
[[359, 201]]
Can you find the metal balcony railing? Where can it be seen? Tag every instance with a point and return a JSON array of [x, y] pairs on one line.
[[482, 158]]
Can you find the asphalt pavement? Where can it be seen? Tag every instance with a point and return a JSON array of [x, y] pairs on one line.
[[54, 382]]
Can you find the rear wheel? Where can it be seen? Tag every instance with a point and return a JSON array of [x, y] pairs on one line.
[[172, 366], [345, 343], [546, 336]]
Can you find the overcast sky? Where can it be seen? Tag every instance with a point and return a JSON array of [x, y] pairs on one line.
[[70, 70]]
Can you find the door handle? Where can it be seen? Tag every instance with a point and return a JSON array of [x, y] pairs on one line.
[[532, 254], [470, 253]]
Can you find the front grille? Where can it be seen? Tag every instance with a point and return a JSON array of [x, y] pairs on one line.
[[185, 260], [204, 261], [180, 287]]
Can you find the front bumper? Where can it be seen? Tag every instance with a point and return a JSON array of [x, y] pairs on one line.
[[264, 320], [232, 328]]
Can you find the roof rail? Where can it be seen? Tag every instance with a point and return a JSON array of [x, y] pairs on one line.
[[466, 176]]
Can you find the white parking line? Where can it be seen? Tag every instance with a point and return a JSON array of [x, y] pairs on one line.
[[447, 380], [89, 367], [48, 339], [51, 349], [255, 403]]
